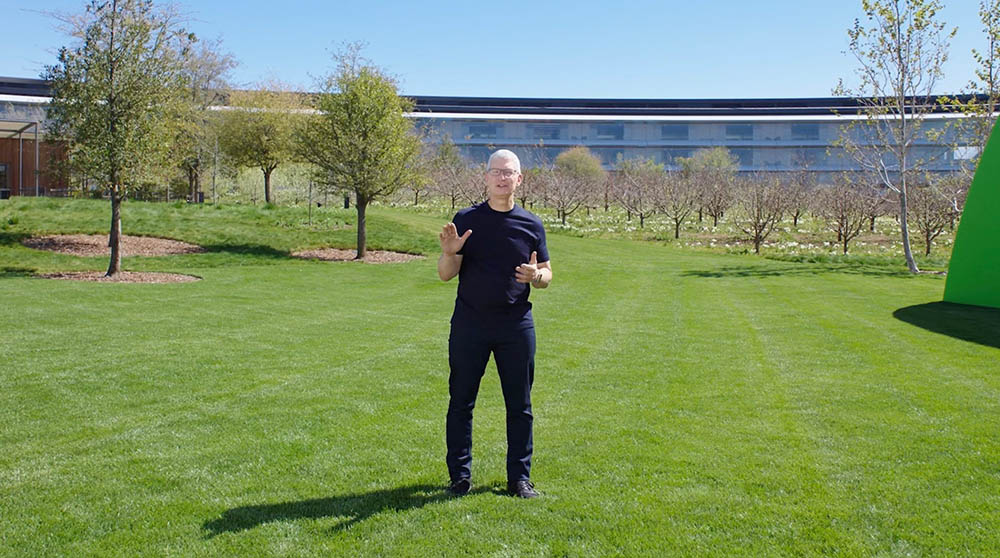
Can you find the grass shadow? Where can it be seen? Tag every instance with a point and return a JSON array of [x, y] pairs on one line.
[[247, 250], [9, 238], [8, 272], [977, 324], [795, 271], [353, 508]]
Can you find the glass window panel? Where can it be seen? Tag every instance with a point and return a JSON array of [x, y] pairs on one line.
[[674, 132], [805, 131], [609, 131], [739, 131]]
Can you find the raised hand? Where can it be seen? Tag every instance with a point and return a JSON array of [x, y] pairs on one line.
[[527, 272], [451, 243]]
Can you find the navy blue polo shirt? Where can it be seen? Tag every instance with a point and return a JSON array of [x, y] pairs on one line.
[[500, 241]]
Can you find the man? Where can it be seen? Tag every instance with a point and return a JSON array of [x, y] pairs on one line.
[[498, 251]]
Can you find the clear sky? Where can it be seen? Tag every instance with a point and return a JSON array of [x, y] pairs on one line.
[[540, 48]]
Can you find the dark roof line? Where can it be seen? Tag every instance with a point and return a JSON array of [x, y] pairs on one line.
[[567, 106]]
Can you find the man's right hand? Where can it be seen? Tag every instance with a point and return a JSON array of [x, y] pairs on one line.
[[451, 243]]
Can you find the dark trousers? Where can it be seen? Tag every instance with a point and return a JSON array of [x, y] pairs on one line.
[[469, 348]]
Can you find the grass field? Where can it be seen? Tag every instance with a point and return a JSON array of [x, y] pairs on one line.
[[687, 403]]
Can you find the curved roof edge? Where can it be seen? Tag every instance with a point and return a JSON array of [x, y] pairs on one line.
[[27, 87]]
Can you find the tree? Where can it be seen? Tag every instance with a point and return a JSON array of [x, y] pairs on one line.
[[361, 139], [711, 172], [799, 190], [678, 199], [760, 204], [844, 208], [637, 185], [205, 69], [932, 209], [452, 177], [114, 93], [900, 53], [258, 129], [573, 181]]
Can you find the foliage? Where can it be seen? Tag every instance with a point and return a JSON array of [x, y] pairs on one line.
[[257, 130], [361, 140], [114, 93]]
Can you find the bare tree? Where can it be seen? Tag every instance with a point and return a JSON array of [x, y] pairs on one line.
[[844, 209], [931, 210], [452, 177], [637, 185], [799, 191], [678, 199], [760, 204], [900, 53], [573, 181], [711, 172]]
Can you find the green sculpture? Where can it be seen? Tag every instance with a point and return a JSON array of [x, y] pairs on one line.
[[974, 271]]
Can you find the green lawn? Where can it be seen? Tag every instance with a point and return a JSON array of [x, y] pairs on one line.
[[687, 403]]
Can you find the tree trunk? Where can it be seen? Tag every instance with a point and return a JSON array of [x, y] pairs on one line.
[[715, 221], [361, 204], [115, 238], [642, 220], [416, 197], [563, 215], [871, 224], [267, 185], [845, 244], [911, 264]]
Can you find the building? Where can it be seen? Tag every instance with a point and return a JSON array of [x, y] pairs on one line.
[[765, 135]]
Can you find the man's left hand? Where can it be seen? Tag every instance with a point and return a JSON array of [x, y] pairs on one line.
[[528, 272]]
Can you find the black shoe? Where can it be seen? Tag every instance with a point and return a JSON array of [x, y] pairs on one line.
[[522, 489], [460, 487]]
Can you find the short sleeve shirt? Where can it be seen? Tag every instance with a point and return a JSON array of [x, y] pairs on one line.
[[500, 241]]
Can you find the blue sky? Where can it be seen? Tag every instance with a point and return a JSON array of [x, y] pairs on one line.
[[622, 49]]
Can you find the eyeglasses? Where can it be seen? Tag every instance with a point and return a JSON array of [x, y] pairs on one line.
[[506, 173]]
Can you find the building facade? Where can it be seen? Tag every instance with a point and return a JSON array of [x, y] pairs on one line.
[[763, 135]]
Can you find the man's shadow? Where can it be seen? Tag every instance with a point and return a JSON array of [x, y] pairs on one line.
[[971, 323], [353, 508]]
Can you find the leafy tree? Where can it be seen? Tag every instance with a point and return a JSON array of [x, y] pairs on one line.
[[760, 205], [900, 52], [711, 172], [361, 139], [114, 93], [573, 181], [258, 130]]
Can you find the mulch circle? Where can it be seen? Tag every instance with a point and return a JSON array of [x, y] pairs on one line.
[[89, 245], [121, 277], [371, 256]]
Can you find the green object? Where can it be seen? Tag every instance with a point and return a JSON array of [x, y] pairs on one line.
[[974, 272]]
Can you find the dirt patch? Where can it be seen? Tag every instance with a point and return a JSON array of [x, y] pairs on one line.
[[122, 277], [88, 245], [371, 256]]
